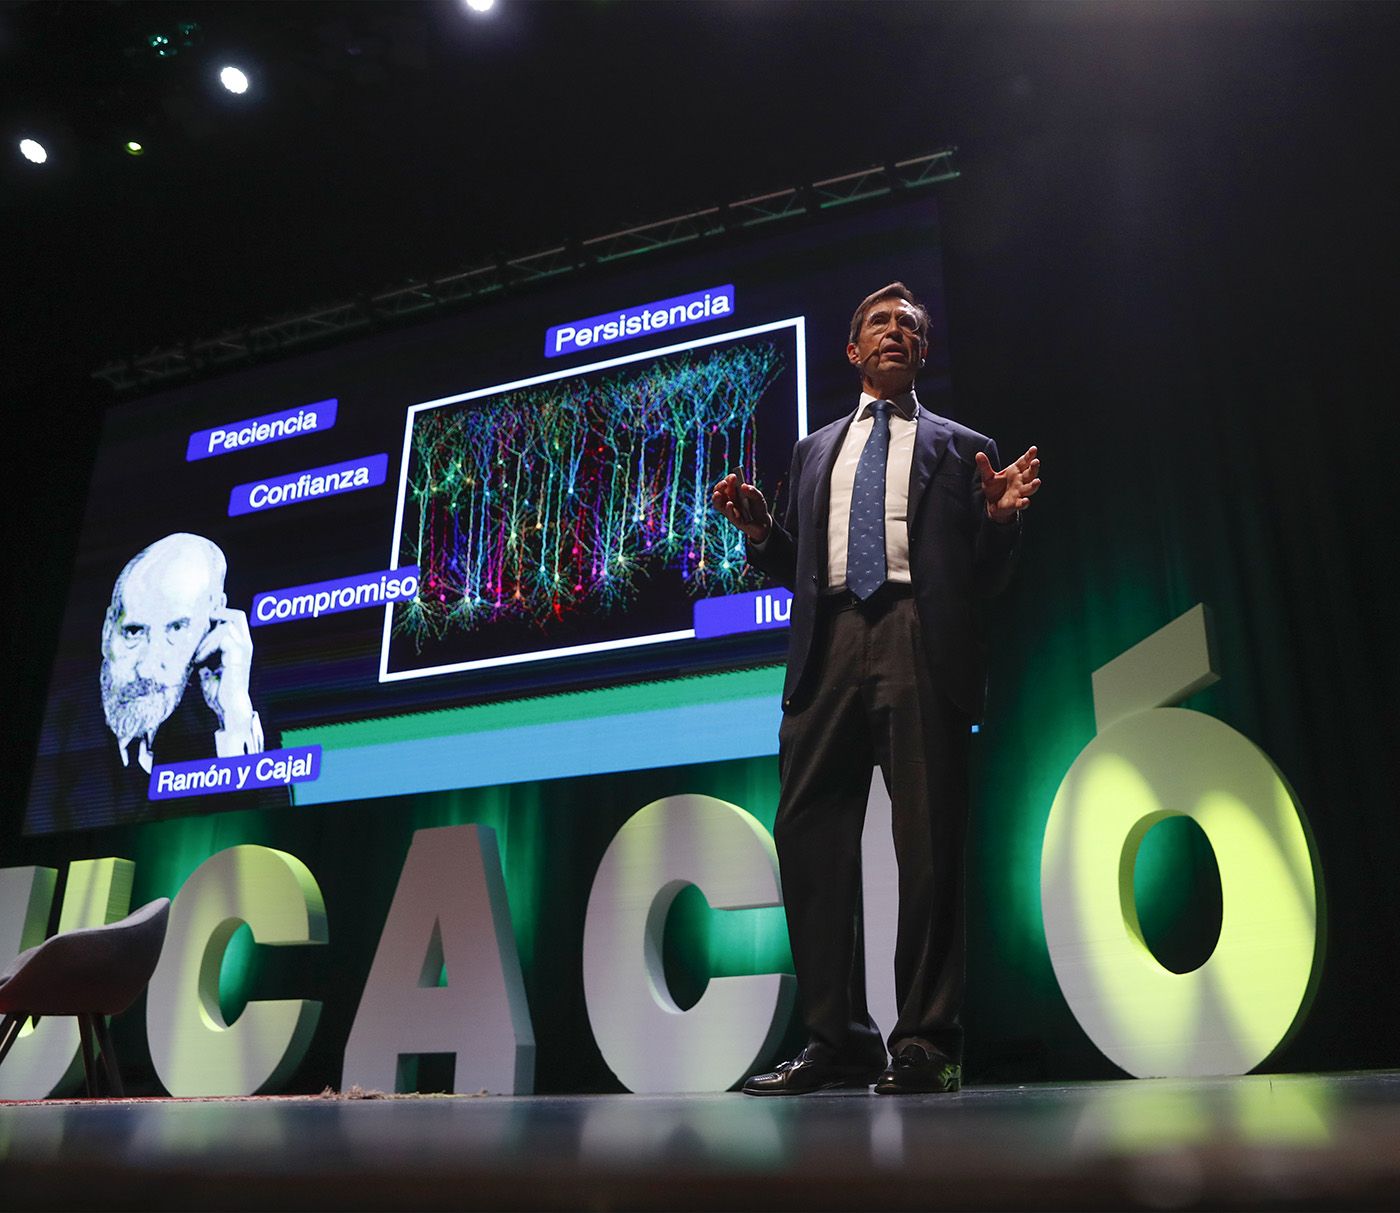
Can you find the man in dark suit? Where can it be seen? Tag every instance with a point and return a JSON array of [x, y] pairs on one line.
[[896, 528]]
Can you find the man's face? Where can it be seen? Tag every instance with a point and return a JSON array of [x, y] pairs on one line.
[[147, 650], [888, 348]]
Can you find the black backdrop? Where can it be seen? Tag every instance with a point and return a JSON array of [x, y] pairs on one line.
[[1170, 261]]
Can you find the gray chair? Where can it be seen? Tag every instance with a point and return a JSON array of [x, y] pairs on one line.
[[90, 973]]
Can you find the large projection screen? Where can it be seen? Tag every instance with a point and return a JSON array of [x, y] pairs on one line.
[[505, 506]]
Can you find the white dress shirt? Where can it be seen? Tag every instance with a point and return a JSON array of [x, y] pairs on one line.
[[904, 425]]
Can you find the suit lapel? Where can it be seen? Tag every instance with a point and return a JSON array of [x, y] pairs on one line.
[[822, 460], [930, 444]]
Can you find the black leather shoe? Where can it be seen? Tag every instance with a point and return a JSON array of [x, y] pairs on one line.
[[814, 1069], [915, 1069]]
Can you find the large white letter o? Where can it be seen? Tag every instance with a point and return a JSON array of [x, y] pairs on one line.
[[1227, 1016]]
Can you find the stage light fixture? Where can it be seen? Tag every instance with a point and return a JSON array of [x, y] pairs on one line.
[[33, 151], [234, 80], [134, 148], [166, 44], [481, 6]]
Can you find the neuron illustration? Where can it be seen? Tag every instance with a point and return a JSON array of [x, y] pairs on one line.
[[561, 499]]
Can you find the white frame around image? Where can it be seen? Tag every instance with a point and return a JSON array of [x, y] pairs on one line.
[[797, 323]]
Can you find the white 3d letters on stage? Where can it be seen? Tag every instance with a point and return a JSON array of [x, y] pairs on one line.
[[195, 1052], [1147, 763], [26, 898], [879, 876], [646, 1039], [45, 1060], [449, 909]]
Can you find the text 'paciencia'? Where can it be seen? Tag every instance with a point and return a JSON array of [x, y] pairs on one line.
[[256, 431]]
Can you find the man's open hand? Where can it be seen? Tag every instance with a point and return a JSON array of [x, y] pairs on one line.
[[1010, 490], [744, 506]]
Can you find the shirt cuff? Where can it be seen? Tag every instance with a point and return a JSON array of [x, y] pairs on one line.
[[234, 743]]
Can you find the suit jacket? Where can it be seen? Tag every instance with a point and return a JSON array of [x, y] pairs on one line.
[[957, 555]]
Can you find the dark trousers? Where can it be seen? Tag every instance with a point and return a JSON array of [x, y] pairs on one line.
[[874, 703]]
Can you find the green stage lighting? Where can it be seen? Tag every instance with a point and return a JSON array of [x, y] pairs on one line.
[[186, 37]]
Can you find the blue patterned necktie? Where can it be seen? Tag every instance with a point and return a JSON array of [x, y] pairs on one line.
[[865, 550]]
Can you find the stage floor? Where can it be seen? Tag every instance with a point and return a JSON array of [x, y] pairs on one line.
[[1281, 1141]]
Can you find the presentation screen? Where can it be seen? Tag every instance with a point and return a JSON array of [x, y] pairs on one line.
[[500, 506]]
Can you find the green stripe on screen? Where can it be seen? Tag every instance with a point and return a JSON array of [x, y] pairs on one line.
[[708, 718]]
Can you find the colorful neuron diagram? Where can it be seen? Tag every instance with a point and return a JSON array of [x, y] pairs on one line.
[[566, 497]]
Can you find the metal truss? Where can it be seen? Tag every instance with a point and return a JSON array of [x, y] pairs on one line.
[[420, 298]]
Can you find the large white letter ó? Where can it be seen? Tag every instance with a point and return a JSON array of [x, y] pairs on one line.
[[449, 910], [1150, 762], [195, 1052], [646, 1039]]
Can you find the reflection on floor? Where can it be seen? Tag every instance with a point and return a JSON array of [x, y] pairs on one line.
[[1256, 1142]]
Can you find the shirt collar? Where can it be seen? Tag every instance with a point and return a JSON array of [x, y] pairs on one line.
[[906, 405]]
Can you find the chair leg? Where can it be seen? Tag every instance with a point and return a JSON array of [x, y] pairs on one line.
[[9, 1032], [109, 1056], [89, 1069]]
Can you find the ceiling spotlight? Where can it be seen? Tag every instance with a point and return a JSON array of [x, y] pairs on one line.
[[33, 151], [133, 148], [481, 6], [233, 80]]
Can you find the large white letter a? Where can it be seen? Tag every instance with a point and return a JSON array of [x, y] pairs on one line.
[[450, 908]]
